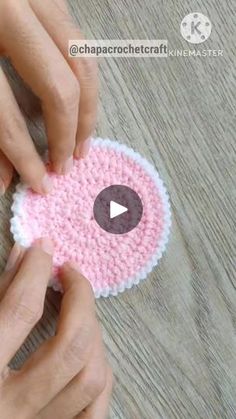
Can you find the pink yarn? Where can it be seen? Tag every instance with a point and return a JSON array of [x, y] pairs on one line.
[[66, 216]]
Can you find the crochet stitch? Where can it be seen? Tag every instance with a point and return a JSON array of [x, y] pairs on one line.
[[111, 262]]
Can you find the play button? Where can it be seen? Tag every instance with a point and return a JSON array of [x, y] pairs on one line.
[[118, 209]]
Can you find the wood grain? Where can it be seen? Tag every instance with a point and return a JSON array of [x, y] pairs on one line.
[[171, 341]]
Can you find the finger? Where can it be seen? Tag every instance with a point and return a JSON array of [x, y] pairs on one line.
[[12, 265], [22, 305], [60, 359], [16, 143], [42, 66], [84, 388], [6, 173], [100, 407], [62, 29]]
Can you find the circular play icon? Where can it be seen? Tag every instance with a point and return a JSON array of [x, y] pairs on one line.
[[118, 209]]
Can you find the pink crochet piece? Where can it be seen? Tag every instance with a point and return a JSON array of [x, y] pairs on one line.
[[111, 262]]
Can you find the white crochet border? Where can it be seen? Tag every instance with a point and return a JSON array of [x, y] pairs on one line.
[[20, 236]]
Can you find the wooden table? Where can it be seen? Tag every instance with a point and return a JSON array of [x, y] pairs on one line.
[[171, 340]]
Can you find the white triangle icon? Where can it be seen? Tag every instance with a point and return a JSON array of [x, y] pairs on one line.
[[116, 209]]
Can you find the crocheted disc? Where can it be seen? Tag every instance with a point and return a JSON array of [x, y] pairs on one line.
[[112, 262]]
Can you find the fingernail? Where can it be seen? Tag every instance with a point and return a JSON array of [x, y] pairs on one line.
[[85, 146], [13, 257], [2, 188], [77, 151], [72, 265], [82, 148], [44, 244], [47, 184], [63, 168], [68, 166], [6, 372]]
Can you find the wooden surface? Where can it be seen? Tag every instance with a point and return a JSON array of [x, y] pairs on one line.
[[171, 341]]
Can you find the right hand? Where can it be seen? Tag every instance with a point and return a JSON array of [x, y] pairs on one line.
[[34, 34], [68, 376]]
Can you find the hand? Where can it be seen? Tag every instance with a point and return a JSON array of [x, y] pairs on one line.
[[34, 34], [68, 376]]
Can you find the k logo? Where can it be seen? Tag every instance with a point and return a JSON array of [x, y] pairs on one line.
[[195, 28]]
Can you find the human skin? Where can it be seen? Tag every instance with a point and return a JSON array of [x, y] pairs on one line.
[[34, 34], [68, 376]]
